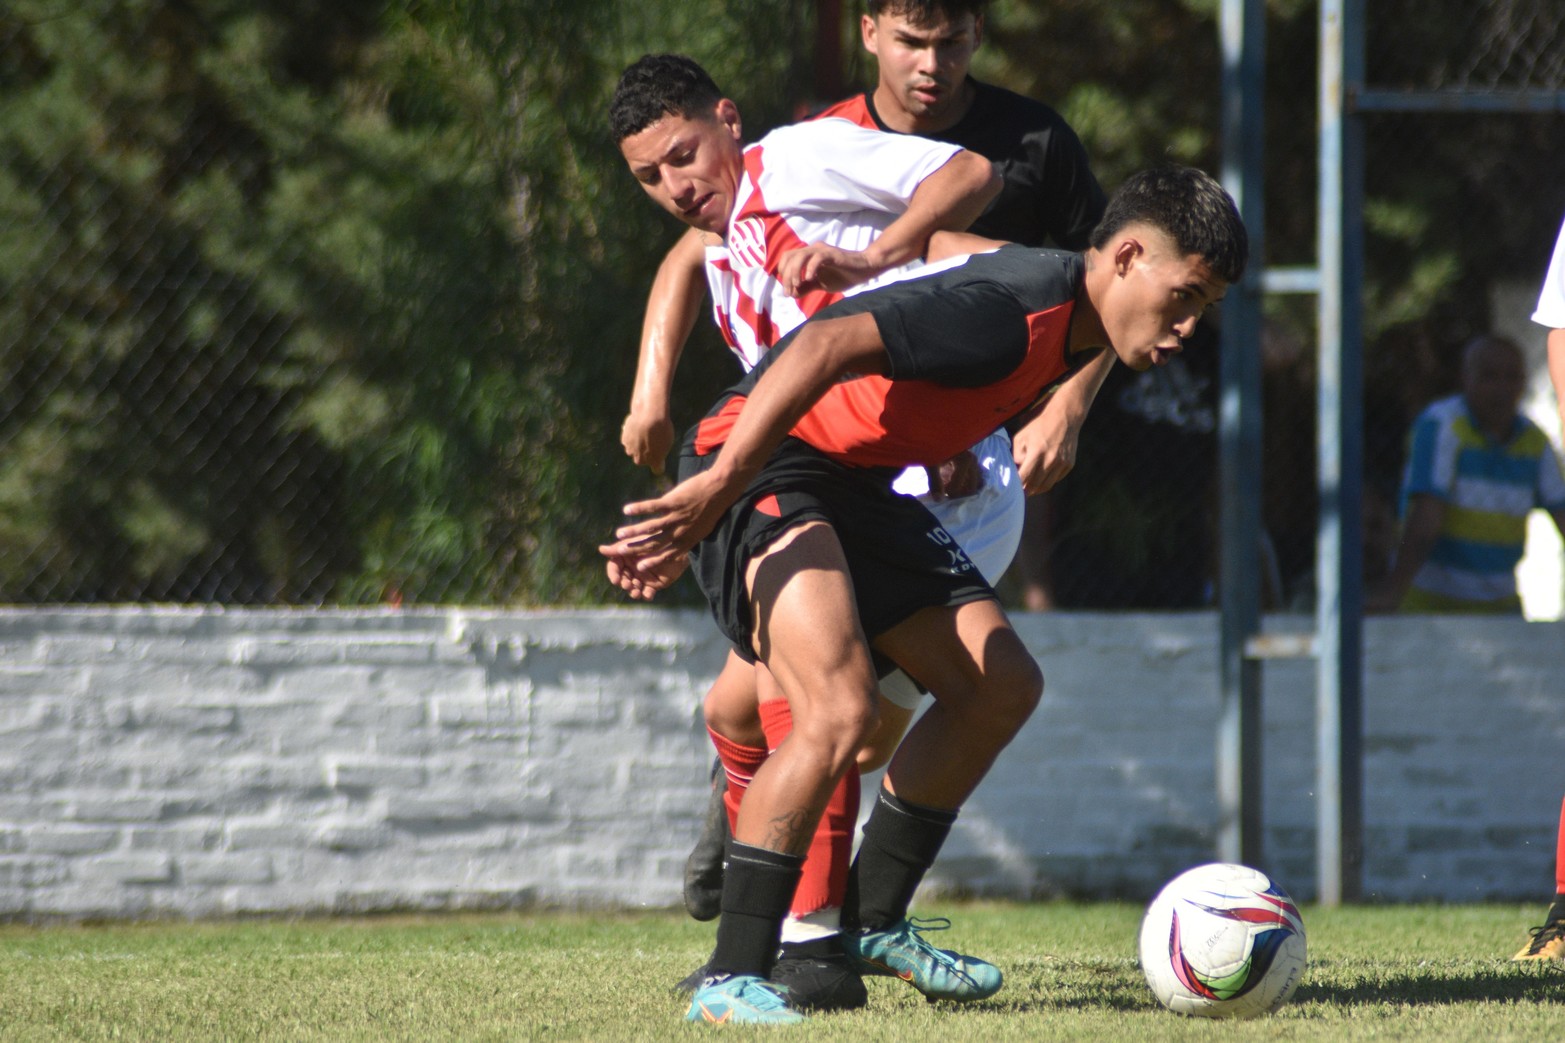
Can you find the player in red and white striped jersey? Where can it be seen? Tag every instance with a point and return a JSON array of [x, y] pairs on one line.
[[789, 186], [813, 184], [816, 210]]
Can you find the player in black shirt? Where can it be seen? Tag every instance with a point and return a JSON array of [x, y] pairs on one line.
[[1049, 198]]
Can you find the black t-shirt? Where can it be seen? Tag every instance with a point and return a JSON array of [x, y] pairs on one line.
[[1049, 194]]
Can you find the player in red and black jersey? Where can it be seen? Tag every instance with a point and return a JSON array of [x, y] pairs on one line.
[[818, 572], [1048, 197]]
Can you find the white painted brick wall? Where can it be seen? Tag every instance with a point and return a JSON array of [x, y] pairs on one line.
[[190, 762]]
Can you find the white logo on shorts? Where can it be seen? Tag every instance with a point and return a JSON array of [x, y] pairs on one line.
[[959, 561]]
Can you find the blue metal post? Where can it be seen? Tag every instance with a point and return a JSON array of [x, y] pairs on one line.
[[1339, 571], [1243, 24]]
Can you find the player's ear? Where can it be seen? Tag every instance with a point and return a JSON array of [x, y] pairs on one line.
[[978, 30], [728, 115], [867, 33], [1126, 252]]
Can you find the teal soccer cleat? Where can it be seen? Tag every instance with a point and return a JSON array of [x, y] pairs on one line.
[[741, 999], [900, 951]]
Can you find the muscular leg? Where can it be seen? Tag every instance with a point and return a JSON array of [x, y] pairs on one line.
[[985, 685], [807, 633]]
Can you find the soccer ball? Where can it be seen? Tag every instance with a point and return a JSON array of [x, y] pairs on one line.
[[1222, 941]]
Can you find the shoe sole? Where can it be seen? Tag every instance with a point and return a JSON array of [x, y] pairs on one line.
[[703, 888]]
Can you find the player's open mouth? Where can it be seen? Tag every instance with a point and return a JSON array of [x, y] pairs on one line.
[[700, 205], [1163, 356]]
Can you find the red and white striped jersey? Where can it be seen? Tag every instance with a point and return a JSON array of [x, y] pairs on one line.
[[823, 181]]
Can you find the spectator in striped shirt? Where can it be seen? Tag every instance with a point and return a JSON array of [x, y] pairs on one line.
[[1476, 468]]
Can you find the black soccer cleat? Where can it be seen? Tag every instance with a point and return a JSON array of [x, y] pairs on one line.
[[704, 867], [692, 981], [820, 976]]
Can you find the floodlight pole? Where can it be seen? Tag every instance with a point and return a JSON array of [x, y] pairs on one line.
[[1339, 842], [1239, 793]]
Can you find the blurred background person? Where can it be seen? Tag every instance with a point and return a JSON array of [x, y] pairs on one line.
[[1476, 467]]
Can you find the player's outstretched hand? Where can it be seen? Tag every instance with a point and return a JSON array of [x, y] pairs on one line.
[[823, 267], [649, 554], [644, 587]]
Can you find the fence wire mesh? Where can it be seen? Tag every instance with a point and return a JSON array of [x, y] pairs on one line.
[[1488, 45], [219, 385], [1463, 200]]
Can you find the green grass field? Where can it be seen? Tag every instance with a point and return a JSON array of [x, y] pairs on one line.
[[1424, 972]]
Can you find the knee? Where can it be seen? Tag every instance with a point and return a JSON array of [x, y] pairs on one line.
[[736, 719], [890, 725], [1010, 689], [838, 728]]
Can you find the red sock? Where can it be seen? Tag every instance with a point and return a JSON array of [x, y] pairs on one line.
[[824, 884], [1559, 855], [739, 766]]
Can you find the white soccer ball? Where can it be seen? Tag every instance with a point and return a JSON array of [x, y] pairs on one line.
[[1222, 941]]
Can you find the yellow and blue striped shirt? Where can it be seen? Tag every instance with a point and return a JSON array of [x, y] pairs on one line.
[[1488, 488]]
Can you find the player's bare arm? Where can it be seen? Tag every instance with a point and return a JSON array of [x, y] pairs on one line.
[[1556, 348], [671, 524], [945, 245], [950, 199], [647, 433], [1045, 445]]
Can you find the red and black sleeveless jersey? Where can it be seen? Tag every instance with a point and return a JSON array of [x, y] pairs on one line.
[[969, 347]]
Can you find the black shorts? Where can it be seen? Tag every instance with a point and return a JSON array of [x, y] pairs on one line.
[[900, 558]]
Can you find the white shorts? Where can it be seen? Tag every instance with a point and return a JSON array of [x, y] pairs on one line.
[[987, 525]]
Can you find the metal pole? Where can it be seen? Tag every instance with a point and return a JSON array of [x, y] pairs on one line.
[[1339, 571], [1239, 792], [828, 50]]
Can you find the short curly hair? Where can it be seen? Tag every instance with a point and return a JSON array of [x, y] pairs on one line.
[[658, 85], [1190, 207]]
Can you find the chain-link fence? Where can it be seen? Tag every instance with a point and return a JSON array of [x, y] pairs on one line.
[[1465, 192], [285, 313], [294, 309]]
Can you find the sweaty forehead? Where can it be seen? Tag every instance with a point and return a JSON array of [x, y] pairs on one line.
[[652, 144]]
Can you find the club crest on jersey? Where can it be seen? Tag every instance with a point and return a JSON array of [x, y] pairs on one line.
[[747, 241]]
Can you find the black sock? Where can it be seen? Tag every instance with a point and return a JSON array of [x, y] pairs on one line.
[[900, 843], [758, 888], [816, 948], [1557, 910]]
